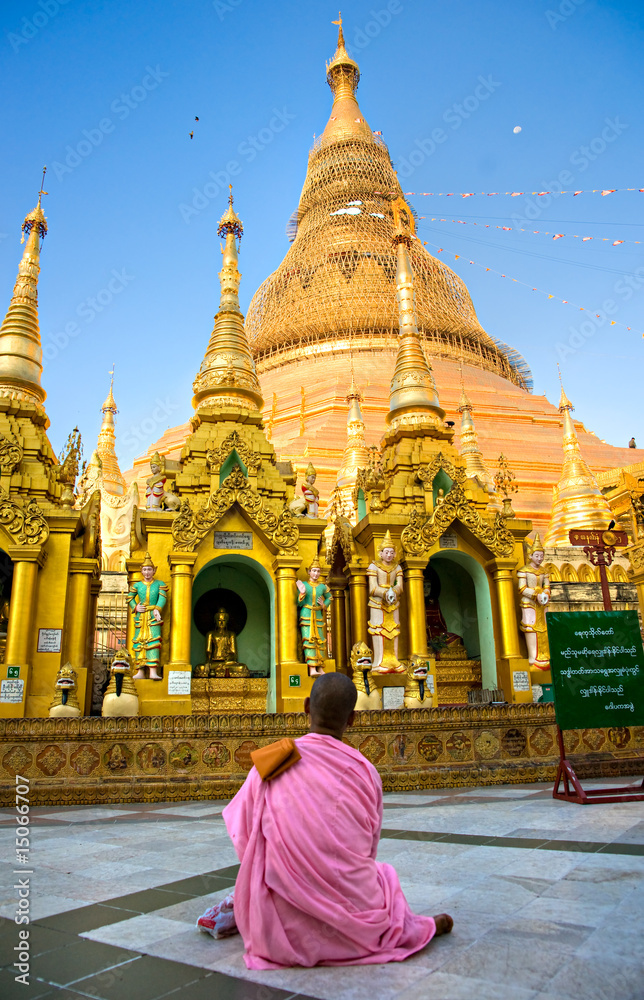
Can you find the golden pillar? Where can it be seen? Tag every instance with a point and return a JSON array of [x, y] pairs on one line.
[[94, 590], [181, 569], [415, 587], [20, 633], [358, 598], [286, 568], [503, 575], [77, 647], [509, 659], [337, 586]]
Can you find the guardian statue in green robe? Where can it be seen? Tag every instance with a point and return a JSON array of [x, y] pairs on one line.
[[146, 599]]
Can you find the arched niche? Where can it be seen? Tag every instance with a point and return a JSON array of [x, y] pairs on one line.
[[552, 572], [617, 574], [568, 574], [253, 585], [362, 504], [467, 607], [586, 574], [442, 482], [229, 464]]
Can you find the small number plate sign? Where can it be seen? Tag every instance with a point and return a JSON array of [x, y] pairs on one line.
[[294, 681]]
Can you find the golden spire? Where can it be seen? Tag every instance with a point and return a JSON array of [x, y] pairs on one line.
[[577, 500], [112, 479], [474, 464], [20, 348], [343, 76], [356, 452], [227, 375], [413, 399]]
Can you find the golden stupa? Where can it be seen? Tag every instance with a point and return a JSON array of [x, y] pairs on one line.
[[330, 308], [577, 498]]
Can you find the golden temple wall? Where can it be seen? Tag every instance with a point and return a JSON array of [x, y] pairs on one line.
[[173, 758]]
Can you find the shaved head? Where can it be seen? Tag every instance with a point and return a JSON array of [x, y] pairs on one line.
[[333, 699]]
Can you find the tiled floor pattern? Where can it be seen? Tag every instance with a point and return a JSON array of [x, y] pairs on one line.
[[547, 897]]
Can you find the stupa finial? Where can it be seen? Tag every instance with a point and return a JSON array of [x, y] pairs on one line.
[[112, 478], [20, 346], [227, 376], [413, 398]]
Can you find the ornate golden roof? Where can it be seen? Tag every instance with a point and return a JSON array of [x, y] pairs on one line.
[[112, 478], [227, 375], [577, 500], [20, 348], [335, 289]]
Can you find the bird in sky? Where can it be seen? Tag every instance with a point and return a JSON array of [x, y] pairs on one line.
[[191, 134], [196, 118]]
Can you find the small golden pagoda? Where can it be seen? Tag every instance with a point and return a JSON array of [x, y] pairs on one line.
[[233, 550], [49, 551], [577, 499], [417, 497]]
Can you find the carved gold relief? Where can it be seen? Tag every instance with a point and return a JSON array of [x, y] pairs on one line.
[[27, 525], [215, 457], [10, 454], [424, 530], [189, 527]]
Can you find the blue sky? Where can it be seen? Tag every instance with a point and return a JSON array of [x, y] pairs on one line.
[[105, 93]]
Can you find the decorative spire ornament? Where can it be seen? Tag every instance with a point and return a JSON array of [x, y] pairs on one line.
[[577, 499], [475, 467], [227, 376], [413, 399], [112, 477], [20, 346]]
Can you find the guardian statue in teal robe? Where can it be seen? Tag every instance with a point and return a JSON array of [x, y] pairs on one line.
[[146, 599], [312, 601]]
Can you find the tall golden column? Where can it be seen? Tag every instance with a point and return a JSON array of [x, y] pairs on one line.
[[503, 574], [20, 348], [113, 480], [413, 399], [338, 586], [577, 499], [78, 649], [227, 374], [181, 569], [22, 609], [415, 587], [359, 602]]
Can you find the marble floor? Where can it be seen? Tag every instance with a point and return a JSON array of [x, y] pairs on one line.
[[547, 899]]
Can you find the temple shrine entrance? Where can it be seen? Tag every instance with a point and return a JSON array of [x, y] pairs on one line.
[[458, 615], [243, 588]]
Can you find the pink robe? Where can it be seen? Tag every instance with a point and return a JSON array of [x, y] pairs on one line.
[[309, 890]]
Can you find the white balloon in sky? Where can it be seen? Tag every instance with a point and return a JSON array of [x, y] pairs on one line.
[[516, 129]]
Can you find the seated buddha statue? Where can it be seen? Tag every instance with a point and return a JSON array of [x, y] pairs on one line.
[[221, 650]]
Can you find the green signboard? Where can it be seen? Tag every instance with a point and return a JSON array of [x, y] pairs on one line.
[[294, 680], [597, 664], [13, 671]]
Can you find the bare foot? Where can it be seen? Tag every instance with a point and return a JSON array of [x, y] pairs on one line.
[[444, 924]]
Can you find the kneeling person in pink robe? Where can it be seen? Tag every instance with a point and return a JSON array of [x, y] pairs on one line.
[[309, 889]]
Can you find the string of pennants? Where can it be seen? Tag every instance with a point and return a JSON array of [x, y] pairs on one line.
[[539, 232], [549, 295], [513, 194]]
